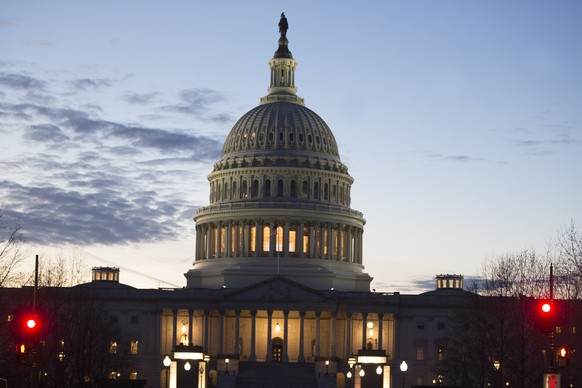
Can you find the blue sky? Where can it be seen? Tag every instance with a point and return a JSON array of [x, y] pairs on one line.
[[460, 121]]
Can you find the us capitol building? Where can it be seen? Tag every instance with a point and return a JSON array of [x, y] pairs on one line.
[[278, 295]]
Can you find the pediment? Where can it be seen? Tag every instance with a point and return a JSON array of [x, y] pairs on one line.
[[277, 289]]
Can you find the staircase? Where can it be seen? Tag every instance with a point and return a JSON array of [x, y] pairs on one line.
[[276, 375]]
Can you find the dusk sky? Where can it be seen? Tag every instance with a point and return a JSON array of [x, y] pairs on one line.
[[461, 122]]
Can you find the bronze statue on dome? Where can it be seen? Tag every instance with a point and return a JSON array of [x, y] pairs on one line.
[[283, 25]]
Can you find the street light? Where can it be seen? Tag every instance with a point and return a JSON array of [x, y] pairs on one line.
[[351, 363], [403, 369], [167, 362], [326, 366], [226, 361]]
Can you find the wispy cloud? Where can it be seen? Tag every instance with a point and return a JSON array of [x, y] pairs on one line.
[[21, 82], [456, 158], [90, 83]]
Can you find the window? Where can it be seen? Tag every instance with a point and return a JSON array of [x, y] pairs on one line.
[[267, 238], [255, 189], [419, 380], [10, 318], [268, 188], [245, 190], [420, 353], [293, 189], [113, 347], [134, 319], [441, 353], [253, 238], [316, 190], [133, 375], [304, 189], [292, 239], [280, 188], [133, 347]]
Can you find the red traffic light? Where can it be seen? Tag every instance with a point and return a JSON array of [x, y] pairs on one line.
[[563, 353], [31, 323], [546, 307]]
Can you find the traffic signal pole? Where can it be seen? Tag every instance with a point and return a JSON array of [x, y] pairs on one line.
[[33, 350]]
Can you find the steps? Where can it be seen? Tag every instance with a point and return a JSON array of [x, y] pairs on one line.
[[276, 375]]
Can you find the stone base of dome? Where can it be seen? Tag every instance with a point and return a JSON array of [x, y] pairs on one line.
[[243, 272]]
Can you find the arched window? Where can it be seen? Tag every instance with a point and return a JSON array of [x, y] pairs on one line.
[[219, 192], [245, 190], [334, 193], [293, 189], [226, 192], [268, 188], [255, 188], [266, 239], [234, 193], [280, 188], [305, 239], [326, 192], [304, 189], [316, 190], [292, 239]]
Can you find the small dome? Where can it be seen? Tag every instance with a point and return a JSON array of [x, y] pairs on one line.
[[281, 127]]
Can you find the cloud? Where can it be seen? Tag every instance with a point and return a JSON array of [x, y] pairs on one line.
[[141, 99], [196, 102], [74, 177], [21, 82], [455, 158], [45, 133], [90, 83]]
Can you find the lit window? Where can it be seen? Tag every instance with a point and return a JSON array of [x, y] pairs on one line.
[[133, 375], [292, 239], [558, 330], [113, 347], [253, 242], [10, 318], [440, 353], [113, 375], [133, 346], [419, 353]]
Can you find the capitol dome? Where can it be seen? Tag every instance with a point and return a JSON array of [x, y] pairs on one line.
[[280, 198]]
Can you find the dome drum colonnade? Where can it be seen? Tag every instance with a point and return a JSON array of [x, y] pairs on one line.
[[280, 191]]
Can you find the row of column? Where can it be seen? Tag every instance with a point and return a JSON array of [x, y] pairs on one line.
[[312, 240], [269, 337]]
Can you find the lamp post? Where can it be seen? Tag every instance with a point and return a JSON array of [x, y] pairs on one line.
[[350, 374], [167, 362], [326, 367], [226, 361], [403, 369]]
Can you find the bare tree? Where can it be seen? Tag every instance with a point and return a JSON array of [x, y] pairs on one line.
[[567, 250], [11, 252]]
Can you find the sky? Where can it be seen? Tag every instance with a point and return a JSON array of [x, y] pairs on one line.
[[460, 121]]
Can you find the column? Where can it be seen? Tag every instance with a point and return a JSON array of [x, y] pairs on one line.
[[317, 334], [285, 355], [219, 240], [348, 335], [228, 250], [340, 241], [329, 255], [209, 237], [380, 328], [269, 341], [190, 322], [332, 335], [301, 336], [221, 333], [364, 330], [206, 330], [349, 244], [236, 252], [286, 240], [174, 325], [253, 356], [237, 333], [272, 238], [258, 239]]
